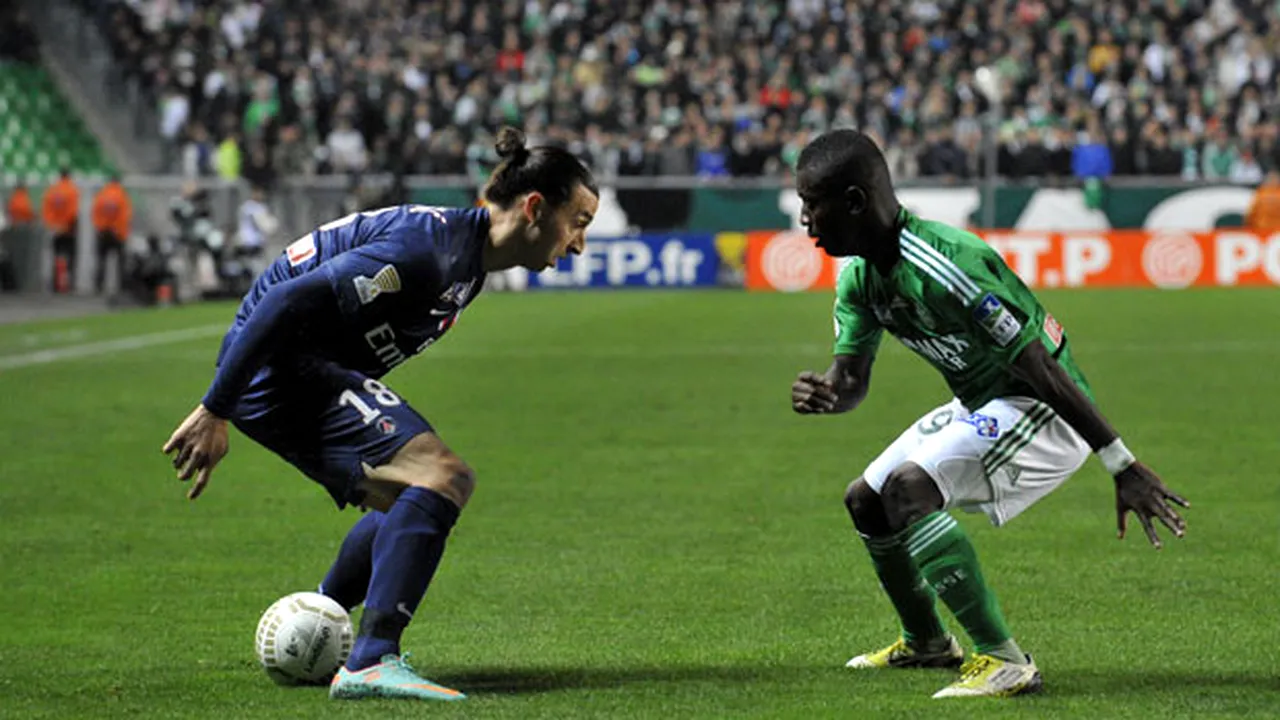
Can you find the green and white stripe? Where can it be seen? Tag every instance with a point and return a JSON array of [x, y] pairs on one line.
[[1018, 437], [937, 266], [926, 534]]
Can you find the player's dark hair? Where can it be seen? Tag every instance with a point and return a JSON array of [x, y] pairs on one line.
[[550, 171], [840, 158]]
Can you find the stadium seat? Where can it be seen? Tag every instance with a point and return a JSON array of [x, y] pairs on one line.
[[41, 130]]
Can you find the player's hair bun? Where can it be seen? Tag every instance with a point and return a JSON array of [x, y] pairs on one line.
[[511, 145]]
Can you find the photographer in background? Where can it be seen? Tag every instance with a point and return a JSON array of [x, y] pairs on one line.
[[199, 240]]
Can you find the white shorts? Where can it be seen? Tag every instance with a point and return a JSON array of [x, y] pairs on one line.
[[999, 460]]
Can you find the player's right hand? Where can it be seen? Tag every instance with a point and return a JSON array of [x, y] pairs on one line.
[[201, 443], [1140, 491], [813, 394]]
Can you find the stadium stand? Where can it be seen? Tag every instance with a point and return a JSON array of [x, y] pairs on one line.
[[1093, 87], [39, 133]]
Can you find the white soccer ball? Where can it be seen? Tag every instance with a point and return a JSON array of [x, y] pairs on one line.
[[303, 638]]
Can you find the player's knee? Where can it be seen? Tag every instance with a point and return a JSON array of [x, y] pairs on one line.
[[866, 509], [423, 462], [909, 494], [456, 481]]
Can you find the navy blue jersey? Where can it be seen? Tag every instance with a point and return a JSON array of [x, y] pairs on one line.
[[298, 371], [400, 275]]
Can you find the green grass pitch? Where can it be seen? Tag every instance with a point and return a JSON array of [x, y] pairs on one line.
[[654, 533]]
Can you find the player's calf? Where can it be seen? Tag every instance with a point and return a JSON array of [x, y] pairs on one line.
[[925, 641], [946, 559], [423, 489]]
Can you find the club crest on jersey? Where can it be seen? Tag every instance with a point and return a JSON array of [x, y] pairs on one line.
[[386, 425], [987, 426], [458, 293], [996, 318], [387, 280]]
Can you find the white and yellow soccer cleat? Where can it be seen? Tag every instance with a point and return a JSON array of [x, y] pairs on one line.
[[987, 676], [902, 655]]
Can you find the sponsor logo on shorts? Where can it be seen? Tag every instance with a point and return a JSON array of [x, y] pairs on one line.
[[987, 426]]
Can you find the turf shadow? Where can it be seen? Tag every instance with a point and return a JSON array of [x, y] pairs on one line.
[[1139, 682], [531, 680]]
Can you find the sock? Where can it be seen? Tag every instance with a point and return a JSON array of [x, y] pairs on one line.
[[911, 596], [348, 579], [406, 552], [948, 562]]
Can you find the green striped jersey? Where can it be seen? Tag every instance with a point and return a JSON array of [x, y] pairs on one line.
[[952, 300]]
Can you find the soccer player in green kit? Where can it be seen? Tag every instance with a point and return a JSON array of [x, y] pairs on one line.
[[1022, 421]]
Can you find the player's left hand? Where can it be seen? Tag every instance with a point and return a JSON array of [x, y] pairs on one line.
[[201, 443], [1140, 491]]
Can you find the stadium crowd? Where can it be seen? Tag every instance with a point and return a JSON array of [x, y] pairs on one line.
[[1092, 88]]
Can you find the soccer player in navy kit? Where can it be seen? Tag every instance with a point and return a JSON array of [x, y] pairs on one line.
[[298, 373]]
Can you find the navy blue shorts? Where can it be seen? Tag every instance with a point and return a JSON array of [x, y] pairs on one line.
[[326, 421]]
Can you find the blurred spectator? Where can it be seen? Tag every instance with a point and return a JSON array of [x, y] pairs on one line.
[[197, 153], [112, 215], [175, 110], [712, 159], [1264, 212], [256, 225], [943, 157], [1034, 158], [347, 153], [227, 158], [61, 212], [20, 210], [1160, 158], [1124, 154], [729, 87], [1219, 156], [258, 169], [1091, 157], [1246, 170]]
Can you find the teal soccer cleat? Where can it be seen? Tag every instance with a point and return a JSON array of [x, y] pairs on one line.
[[391, 678]]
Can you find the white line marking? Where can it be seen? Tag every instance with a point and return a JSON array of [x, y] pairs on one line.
[[108, 347], [639, 352]]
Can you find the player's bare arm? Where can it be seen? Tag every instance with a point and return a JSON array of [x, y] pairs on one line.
[[1138, 489], [201, 439], [841, 389]]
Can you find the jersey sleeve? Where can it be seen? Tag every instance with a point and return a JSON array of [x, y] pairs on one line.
[[985, 295], [858, 332], [377, 274]]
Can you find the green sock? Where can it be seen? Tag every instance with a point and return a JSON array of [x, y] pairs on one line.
[[946, 558], [912, 597]]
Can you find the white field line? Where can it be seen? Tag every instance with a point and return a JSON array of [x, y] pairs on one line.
[[109, 347], [651, 351]]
